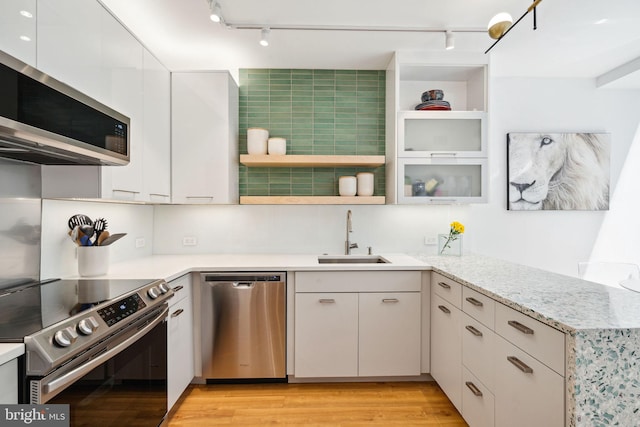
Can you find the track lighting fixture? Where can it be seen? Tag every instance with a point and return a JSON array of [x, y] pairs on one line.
[[216, 11], [449, 40], [500, 24], [264, 36]]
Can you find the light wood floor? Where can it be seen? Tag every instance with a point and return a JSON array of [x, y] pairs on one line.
[[335, 404]]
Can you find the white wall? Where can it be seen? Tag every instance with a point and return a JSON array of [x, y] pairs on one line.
[[59, 257], [552, 240]]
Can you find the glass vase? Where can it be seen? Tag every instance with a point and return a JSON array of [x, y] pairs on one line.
[[449, 247]]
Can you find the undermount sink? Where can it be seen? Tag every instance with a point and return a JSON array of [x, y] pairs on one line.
[[352, 259]]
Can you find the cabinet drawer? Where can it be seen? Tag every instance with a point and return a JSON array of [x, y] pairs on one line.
[[478, 349], [448, 289], [480, 307], [358, 281], [181, 288], [526, 390], [477, 401], [539, 340]]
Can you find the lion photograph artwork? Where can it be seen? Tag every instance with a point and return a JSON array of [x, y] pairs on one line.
[[558, 171]]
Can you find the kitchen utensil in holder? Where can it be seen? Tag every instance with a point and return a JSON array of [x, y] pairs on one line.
[[93, 260]]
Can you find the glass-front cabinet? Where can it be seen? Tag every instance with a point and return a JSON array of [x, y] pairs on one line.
[[441, 180], [441, 133]]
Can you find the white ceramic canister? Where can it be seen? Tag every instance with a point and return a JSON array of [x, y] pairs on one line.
[[93, 260], [365, 183], [347, 186], [257, 140], [277, 146]]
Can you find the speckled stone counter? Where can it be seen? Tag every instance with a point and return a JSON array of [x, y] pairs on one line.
[[602, 326]]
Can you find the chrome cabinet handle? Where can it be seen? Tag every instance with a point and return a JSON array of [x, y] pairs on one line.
[[473, 330], [177, 313], [159, 194], [443, 154], [474, 301], [444, 285], [326, 301], [520, 364], [444, 309], [199, 197], [178, 288], [475, 390], [390, 300], [519, 326]]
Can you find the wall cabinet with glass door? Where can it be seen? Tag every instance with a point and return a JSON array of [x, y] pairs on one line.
[[443, 154]]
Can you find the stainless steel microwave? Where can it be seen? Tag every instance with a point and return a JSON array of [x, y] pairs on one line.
[[45, 121]]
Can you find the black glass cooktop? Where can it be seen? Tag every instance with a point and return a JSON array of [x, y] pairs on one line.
[[30, 308]]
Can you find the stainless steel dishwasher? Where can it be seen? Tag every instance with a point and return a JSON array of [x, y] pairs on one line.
[[243, 325]]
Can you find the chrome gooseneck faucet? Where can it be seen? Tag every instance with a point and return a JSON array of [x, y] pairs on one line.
[[347, 244]]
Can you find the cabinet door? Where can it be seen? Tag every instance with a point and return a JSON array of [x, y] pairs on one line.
[[442, 134], [18, 32], [9, 381], [527, 393], [446, 349], [389, 334], [156, 130], [478, 346], [180, 358], [326, 335], [442, 180], [204, 138], [478, 402]]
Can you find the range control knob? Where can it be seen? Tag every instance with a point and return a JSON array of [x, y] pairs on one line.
[[163, 288], [153, 292], [65, 337], [87, 326]]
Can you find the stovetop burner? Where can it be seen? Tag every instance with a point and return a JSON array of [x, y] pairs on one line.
[[27, 309]]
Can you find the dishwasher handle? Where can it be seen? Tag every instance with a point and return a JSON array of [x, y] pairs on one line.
[[243, 285]]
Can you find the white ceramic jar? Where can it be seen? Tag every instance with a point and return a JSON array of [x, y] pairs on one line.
[[347, 186], [257, 140], [365, 183], [93, 260], [277, 146]]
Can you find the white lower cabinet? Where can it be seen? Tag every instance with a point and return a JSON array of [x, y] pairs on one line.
[[345, 329], [446, 348], [477, 401], [528, 393], [180, 345], [9, 382], [326, 337]]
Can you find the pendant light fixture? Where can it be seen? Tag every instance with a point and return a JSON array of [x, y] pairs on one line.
[[500, 24]]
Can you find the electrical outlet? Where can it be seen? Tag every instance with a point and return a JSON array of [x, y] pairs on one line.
[[430, 240], [140, 242], [189, 241]]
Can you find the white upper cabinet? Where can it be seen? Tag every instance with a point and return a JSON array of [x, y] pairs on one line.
[[83, 45], [448, 149], [18, 29], [204, 117]]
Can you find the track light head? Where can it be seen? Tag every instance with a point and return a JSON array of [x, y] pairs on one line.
[[264, 36], [216, 11], [449, 40]]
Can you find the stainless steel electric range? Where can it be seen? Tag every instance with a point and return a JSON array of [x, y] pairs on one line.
[[97, 345]]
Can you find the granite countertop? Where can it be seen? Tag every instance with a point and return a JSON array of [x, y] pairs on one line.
[[567, 303]]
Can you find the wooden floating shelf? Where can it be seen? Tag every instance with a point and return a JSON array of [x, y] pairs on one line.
[[306, 161], [312, 200]]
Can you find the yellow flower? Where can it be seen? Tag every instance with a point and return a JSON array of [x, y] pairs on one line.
[[457, 228]]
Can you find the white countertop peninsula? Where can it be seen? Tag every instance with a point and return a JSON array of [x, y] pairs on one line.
[[602, 324]]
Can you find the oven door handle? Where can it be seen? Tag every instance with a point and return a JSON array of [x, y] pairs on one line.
[[85, 368]]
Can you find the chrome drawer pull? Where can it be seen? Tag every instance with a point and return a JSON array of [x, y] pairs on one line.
[[473, 330], [444, 309], [389, 300], [177, 313], [519, 326], [475, 390], [520, 364], [178, 288], [326, 301], [474, 301], [444, 285]]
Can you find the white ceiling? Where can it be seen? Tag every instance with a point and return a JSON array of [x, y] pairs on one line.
[[568, 42]]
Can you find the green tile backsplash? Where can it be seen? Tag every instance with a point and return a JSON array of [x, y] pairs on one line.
[[318, 112]]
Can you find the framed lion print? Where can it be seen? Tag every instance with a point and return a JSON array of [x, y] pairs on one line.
[[558, 171]]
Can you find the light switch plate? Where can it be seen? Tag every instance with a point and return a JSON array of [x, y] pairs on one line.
[[430, 240], [140, 242], [189, 241]]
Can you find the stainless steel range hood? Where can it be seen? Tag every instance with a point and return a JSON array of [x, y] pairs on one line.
[[44, 121]]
